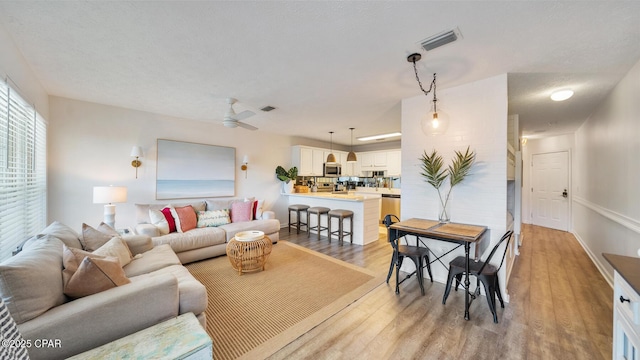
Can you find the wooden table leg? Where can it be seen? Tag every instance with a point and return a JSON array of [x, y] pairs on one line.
[[466, 281]]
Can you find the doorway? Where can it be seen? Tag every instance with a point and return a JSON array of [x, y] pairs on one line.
[[550, 190]]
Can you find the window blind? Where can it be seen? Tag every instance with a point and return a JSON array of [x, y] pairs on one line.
[[23, 170]]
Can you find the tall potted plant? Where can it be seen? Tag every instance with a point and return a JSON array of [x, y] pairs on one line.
[[286, 177], [435, 174]]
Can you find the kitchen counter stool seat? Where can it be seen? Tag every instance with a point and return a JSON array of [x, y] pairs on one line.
[[318, 211], [297, 208], [341, 215]]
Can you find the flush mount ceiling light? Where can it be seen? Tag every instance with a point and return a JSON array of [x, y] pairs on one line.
[[436, 122], [351, 157], [379, 137], [561, 95], [331, 158]]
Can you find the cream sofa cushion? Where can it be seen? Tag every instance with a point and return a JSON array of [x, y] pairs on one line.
[[31, 282], [157, 258], [193, 239], [193, 295], [62, 232]]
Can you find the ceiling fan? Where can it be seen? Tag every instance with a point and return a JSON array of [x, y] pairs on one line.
[[232, 120]]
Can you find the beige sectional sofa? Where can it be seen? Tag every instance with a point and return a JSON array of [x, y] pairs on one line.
[[31, 285], [206, 242]]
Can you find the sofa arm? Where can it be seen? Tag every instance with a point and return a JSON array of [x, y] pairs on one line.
[[268, 214], [138, 244], [95, 320], [147, 229]]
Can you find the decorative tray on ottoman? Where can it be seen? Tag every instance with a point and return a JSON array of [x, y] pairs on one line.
[[250, 235]]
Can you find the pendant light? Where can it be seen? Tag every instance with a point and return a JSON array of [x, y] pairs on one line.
[[351, 157], [331, 158], [436, 122]]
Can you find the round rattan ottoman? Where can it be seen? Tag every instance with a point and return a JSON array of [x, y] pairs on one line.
[[248, 251]]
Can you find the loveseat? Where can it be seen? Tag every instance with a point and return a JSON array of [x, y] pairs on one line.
[[209, 238], [35, 285]]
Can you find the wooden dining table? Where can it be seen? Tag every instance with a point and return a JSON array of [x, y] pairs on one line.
[[461, 234]]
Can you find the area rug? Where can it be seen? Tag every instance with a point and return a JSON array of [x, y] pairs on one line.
[[253, 315]]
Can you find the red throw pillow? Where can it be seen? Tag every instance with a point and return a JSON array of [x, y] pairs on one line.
[[254, 208], [167, 215]]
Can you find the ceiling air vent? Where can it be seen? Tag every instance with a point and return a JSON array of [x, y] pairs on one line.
[[268, 108], [440, 39]]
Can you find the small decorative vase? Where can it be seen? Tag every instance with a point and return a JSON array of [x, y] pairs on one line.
[[444, 214], [287, 187]]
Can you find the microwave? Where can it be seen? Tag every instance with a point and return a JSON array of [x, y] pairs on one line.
[[332, 170]]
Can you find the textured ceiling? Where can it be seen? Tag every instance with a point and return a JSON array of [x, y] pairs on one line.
[[325, 66]]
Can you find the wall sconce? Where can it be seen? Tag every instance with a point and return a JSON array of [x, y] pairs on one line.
[[137, 153], [436, 122], [108, 195], [244, 167]]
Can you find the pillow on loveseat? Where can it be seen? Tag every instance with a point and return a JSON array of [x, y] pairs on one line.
[[92, 238], [62, 232], [88, 273], [212, 218], [95, 275], [242, 211], [31, 282], [116, 248]]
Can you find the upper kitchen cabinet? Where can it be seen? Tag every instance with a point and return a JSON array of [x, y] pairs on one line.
[[373, 160], [394, 163], [309, 161]]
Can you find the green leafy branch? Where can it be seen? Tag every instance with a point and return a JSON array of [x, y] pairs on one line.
[[434, 174], [286, 176]]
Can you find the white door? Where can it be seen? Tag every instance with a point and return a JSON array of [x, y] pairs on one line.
[[550, 190]]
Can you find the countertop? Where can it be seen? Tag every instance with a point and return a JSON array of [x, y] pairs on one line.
[[628, 267], [340, 197]]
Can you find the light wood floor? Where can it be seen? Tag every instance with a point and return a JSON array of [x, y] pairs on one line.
[[561, 308]]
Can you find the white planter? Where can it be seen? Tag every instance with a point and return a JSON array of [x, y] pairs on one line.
[[287, 188]]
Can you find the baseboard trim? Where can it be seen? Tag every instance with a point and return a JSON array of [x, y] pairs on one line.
[[595, 260]]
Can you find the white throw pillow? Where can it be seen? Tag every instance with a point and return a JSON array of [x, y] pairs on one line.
[[160, 221]]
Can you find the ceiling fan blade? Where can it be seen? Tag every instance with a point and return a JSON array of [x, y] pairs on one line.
[[246, 126], [243, 115]]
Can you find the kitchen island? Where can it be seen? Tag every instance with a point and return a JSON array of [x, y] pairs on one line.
[[366, 212]]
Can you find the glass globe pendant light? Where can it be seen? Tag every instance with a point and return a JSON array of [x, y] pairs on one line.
[[436, 122]]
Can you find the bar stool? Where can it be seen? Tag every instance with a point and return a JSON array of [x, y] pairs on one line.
[[319, 211], [298, 208], [341, 214]]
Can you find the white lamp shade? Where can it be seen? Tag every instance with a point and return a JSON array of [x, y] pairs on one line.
[[109, 194], [136, 151], [245, 159]]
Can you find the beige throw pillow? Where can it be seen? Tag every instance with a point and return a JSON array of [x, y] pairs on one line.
[[95, 275], [31, 282], [92, 239], [117, 248]]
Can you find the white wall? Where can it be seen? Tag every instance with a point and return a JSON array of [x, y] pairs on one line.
[[89, 145], [21, 78], [606, 201], [478, 118], [541, 146]]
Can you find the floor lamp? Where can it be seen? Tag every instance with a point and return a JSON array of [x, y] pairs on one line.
[[109, 195]]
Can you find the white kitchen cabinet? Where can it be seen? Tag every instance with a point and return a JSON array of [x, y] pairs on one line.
[[394, 163], [309, 160], [380, 160], [626, 307], [366, 160]]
